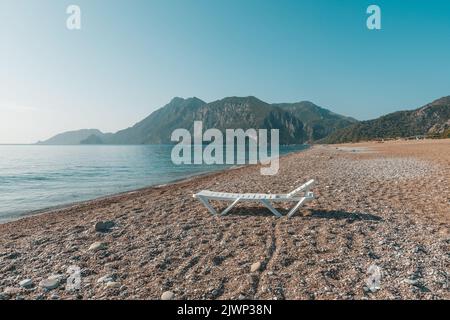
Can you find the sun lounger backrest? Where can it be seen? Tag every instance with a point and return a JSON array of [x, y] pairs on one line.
[[304, 188]]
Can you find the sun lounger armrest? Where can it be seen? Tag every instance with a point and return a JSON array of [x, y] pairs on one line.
[[304, 188], [199, 194]]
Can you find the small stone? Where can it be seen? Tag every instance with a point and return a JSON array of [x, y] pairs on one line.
[[113, 285], [13, 255], [420, 249], [49, 284], [412, 282], [104, 226], [241, 297], [218, 260], [58, 277], [96, 246], [4, 296], [11, 291], [54, 297], [168, 295], [373, 255], [105, 279], [26, 283], [255, 267], [214, 292]]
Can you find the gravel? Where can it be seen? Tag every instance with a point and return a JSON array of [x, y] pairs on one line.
[[387, 208]]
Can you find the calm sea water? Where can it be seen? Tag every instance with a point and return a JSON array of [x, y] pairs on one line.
[[39, 177]]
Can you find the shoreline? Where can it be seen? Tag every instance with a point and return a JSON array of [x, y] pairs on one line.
[[71, 205], [75, 204], [369, 210]]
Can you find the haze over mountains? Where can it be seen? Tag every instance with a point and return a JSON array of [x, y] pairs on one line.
[[302, 122]]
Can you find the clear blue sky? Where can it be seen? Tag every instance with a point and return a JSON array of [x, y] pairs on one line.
[[132, 57]]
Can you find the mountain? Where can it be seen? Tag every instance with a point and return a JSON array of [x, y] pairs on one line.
[[432, 119], [72, 137], [228, 113], [298, 122], [94, 139], [158, 126], [319, 122]]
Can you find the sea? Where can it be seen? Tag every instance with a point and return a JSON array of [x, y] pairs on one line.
[[38, 177]]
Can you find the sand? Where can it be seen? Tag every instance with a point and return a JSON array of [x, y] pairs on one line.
[[380, 208]]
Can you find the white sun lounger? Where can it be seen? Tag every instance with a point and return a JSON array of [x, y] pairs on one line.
[[205, 196]]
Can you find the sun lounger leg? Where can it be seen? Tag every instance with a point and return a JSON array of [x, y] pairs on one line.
[[224, 212], [207, 205], [291, 213], [272, 209]]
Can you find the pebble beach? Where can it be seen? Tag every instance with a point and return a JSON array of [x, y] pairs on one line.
[[379, 228]]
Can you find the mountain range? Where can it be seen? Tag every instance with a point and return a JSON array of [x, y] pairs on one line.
[[298, 122], [301, 122]]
